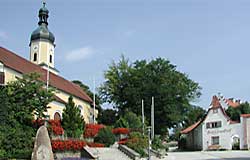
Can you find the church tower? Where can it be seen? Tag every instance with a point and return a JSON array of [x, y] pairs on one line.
[[42, 42]]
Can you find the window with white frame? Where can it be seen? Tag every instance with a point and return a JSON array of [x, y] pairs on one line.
[[215, 140], [213, 124]]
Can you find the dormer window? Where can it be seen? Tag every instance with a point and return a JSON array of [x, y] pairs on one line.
[[35, 57]]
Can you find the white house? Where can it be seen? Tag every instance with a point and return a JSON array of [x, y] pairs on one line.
[[217, 131]]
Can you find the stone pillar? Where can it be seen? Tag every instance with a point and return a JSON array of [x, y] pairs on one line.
[[42, 148]]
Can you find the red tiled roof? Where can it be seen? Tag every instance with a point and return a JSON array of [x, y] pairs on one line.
[[231, 103], [24, 66], [190, 128], [215, 102]]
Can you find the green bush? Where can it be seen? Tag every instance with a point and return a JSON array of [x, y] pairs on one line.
[[121, 123], [105, 136], [157, 143], [138, 143], [133, 120]]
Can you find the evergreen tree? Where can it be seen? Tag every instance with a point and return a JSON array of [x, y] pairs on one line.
[[72, 122]]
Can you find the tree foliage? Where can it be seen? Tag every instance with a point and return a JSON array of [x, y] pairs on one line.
[[193, 114], [87, 90], [20, 101], [134, 121], [72, 122], [235, 112], [121, 123], [126, 84], [107, 117]]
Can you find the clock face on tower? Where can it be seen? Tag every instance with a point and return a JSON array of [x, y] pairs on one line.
[[35, 48], [51, 50]]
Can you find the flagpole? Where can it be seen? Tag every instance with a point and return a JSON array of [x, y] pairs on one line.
[[152, 119], [47, 87], [143, 125], [94, 101]]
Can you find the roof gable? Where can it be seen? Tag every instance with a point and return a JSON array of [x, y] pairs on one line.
[[215, 104], [24, 66]]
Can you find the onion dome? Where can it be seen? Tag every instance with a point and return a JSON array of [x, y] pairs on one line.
[[42, 32]]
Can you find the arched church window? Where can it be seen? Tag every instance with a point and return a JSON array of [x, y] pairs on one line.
[[50, 58], [35, 57], [57, 116], [80, 108]]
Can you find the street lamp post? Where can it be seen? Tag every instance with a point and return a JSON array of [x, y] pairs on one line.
[[149, 142]]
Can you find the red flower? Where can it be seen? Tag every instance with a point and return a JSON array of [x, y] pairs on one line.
[[91, 130], [99, 145], [74, 145], [120, 131]]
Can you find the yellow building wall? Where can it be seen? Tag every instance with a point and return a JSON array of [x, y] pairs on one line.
[[87, 110], [44, 47], [44, 50], [10, 75]]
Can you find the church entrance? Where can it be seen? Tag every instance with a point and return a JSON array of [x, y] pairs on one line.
[[57, 116]]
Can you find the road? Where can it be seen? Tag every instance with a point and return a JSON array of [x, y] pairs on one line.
[[211, 155]]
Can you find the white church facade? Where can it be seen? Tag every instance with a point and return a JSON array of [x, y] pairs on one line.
[[217, 131]]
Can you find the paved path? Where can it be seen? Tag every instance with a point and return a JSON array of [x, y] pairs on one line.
[[211, 155], [111, 154]]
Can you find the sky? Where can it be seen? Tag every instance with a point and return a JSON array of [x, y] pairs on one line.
[[209, 40]]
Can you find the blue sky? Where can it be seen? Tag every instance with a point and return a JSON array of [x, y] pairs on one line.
[[207, 39]]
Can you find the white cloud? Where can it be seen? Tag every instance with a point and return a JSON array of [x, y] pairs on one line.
[[80, 54]]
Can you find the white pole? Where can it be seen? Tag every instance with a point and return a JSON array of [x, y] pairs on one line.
[[143, 121], [94, 102], [47, 87], [152, 119], [47, 82]]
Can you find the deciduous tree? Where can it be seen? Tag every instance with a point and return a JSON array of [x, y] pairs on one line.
[[235, 112], [126, 84], [20, 100]]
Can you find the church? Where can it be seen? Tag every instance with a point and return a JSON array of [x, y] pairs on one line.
[[42, 61]]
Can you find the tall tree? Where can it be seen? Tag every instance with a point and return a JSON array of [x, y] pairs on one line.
[[72, 122], [107, 117], [126, 84], [86, 89], [193, 114], [20, 100]]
